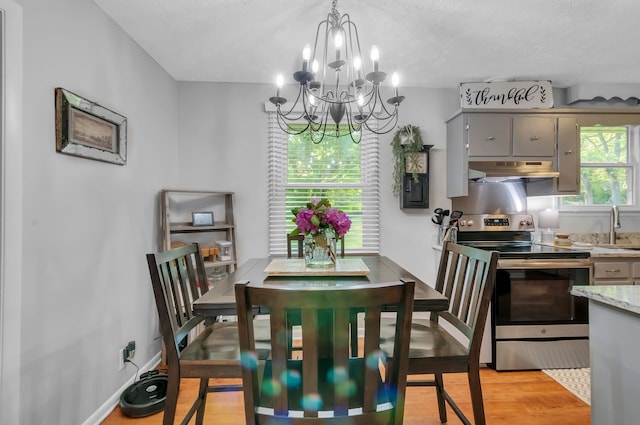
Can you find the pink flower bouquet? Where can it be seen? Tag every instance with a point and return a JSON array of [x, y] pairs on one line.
[[318, 216]]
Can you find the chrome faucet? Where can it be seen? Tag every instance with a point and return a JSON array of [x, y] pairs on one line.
[[614, 223]]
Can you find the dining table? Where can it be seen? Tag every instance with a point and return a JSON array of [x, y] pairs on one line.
[[220, 299]]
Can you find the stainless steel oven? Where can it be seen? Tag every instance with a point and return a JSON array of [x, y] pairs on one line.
[[535, 321]]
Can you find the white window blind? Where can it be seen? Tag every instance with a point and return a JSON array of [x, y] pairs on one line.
[[345, 173]]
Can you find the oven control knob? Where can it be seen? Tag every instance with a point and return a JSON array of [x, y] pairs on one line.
[[526, 222], [462, 223]]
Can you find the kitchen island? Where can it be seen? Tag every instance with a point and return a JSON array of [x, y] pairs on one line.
[[614, 326]]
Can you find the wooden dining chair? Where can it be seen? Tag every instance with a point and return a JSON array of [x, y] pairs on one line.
[[466, 276], [178, 278], [324, 384], [299, 241]]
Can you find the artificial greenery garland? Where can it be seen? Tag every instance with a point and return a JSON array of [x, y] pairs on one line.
[[405, 144]]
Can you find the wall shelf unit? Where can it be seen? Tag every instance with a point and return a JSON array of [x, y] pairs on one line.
[[177, 207]]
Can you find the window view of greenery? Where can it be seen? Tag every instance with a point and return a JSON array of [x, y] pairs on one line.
[[331, 170], [605, 171]]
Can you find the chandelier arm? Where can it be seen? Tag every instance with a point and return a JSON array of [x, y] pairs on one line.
[[384, 107], [351, 26], [313, 132], [284, 126], [389, 124], [286, 115], [353, 127]]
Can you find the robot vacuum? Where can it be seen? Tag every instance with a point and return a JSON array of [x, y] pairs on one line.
[[145, 397]]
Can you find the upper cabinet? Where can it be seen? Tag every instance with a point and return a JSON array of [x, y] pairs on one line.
[[541, 146], [505, 135]]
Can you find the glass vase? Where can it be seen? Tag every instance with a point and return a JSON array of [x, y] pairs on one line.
[[320, 249]]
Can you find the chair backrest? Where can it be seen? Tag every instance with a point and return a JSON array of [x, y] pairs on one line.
[[466, 276], [178, 277], [299, 241], [327, 385]]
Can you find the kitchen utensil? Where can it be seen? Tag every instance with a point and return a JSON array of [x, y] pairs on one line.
[[455, 216], [439, 215]]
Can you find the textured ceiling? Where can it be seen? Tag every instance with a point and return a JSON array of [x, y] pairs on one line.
[[430, 43]]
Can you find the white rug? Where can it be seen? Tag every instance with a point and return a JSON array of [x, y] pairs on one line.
[[578, 381]]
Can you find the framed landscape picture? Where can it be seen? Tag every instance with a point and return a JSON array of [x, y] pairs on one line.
[[86, 129]]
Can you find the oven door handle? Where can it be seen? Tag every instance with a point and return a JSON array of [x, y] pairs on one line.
[[544, 264]]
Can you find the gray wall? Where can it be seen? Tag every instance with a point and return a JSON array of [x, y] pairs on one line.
[[87, 224]]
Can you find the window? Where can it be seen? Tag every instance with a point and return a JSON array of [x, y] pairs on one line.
[[606, 166], [338, 169]]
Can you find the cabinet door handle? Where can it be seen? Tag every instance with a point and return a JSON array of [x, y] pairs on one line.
[[612, 270], [534, 138], [491, 138], [569, 152]]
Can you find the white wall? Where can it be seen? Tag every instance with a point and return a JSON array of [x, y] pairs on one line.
[[88, 224], [224, 143]]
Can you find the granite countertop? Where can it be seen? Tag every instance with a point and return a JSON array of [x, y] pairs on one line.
[[625, 297], [627, 244], [601, 251]]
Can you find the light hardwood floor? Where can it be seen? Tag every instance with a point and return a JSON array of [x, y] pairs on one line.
[[510, 398]]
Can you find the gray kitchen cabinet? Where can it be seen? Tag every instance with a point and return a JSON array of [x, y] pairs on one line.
[[497, 136], [500, 135], [525, 135], [534, 136], [488, 134], [616, 270], [568, 156]]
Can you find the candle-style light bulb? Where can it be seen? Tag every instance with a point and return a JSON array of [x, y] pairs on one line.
[[279, 83], [306, 55], [315, 66], [357, 65], [337, 41], [375, 57], [395, 80]]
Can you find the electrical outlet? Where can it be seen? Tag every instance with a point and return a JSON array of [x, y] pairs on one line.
[[130, 350], [121, 358]]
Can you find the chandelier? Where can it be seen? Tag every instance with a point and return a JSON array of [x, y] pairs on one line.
[[334, 87]]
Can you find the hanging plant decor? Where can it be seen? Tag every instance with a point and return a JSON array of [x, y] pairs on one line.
[[406, 144]]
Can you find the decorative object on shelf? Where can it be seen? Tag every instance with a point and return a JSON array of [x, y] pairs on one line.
[[204, 218], [322, 226], [407, 148], [224, 250], [88, 130], [335, 86]]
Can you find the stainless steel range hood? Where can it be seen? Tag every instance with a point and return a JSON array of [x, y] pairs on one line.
[[538, 169]]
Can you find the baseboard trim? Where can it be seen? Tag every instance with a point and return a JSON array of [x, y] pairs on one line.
[[107, 407]]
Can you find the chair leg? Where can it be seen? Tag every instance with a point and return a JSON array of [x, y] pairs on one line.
[[476, 395], [202, 399], [442, 408], [173, 387]]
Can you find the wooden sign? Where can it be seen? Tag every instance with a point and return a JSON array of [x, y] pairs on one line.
[[507, 94]]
